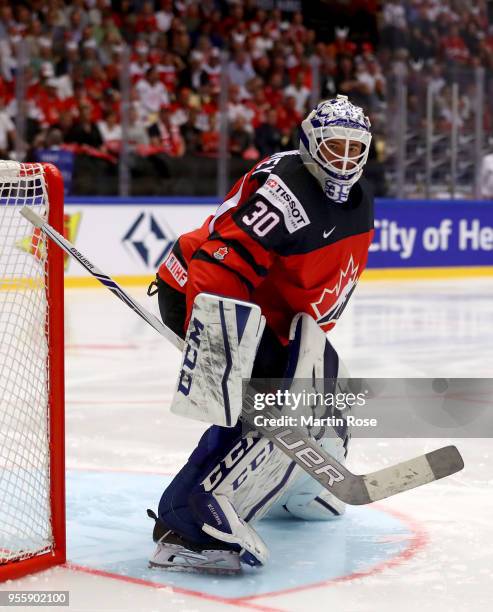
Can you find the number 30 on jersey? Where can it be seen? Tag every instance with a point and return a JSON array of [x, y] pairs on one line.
[[262, 220]]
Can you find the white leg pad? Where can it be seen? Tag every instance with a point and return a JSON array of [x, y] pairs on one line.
[[305, 498]]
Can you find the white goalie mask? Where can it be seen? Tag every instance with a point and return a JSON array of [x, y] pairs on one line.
[[329, 149]]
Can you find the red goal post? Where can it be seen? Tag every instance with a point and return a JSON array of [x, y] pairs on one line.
[[32, 432]]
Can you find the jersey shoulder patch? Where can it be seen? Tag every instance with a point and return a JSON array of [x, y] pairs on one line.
[[277, 193]]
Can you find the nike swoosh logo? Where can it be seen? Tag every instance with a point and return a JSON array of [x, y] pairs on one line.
[[327, 234]]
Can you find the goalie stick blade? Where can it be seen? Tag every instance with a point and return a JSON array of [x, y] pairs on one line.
[[445, 461], [410, 474]]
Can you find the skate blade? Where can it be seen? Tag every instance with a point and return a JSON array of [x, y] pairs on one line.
[[197, 569]]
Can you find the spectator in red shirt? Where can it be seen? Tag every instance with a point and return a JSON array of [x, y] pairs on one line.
[[230, 22], [341, 44], [49, 103], [297, 29], [273, 25], [304, 69], [288, 117], [258, 104], [209, 98], [454, 48], [146, 20], [168, 69], [96, 82]]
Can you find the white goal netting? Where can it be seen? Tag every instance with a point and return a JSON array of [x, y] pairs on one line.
[[25, 515]]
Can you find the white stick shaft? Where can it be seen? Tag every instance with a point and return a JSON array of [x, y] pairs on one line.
[[103, 278]]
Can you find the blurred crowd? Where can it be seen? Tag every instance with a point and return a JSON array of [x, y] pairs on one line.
[[73, 70], [437, 43], [183, 60], [443, 51]]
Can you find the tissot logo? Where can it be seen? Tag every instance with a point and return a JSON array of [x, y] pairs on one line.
[[334, 299], [280, 195], [149, 239]]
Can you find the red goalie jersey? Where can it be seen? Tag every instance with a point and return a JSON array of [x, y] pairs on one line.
[[277, 240]]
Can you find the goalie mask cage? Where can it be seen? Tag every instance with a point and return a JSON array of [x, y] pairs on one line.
[[32, 489]]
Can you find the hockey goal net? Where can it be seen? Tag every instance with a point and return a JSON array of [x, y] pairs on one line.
[[32, 500]]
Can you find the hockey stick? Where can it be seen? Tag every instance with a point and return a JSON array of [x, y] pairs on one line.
[[348, 487], [103, 278]]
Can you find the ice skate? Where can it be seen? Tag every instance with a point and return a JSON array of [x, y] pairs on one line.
[[177, 554]]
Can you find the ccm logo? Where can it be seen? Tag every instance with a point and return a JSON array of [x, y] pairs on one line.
[[230, 460], [190, 357], [259, 458]]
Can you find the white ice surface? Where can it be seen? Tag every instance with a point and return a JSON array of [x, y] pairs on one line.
[[120, 375]]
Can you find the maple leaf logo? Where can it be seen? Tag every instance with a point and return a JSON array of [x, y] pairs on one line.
[[221, 252], [333, 301]]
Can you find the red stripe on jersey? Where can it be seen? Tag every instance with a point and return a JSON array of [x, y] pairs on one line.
[[232, 259], [205, 276]]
